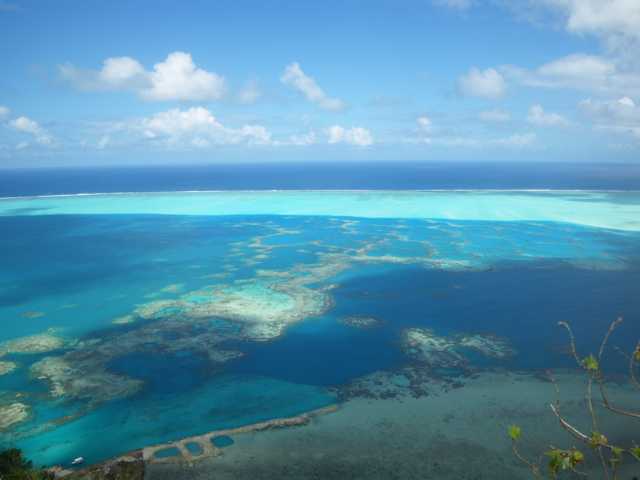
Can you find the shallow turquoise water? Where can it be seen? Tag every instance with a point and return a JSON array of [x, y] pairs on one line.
[[273, 289], [600, 209]]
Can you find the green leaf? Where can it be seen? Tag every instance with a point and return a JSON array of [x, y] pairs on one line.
[[555, 460], [576, 456], [590, 363], [560, 460], [514, 432], [598, 440]]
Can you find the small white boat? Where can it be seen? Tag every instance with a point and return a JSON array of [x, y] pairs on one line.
[[77, 461]]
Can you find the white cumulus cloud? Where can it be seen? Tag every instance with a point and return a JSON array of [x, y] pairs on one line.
[[175, 78], [358, 136], [295, 78], [197, 127], [600, 17], [487, 83], [4, 112], [117, 73], [31, 127], [591, 73], [537, 116], [120, 72], [178, 78], [616, 23]]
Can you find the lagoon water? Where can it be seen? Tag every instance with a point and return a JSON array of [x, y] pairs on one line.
[[137, 319]]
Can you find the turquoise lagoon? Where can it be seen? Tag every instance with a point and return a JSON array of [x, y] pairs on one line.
[[136, 319]]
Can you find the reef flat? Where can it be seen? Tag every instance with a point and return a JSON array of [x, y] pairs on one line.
[[263, 308]]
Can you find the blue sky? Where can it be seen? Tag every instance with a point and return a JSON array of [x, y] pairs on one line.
[[100, 83]]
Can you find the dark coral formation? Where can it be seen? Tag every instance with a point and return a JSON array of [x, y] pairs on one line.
[[413, 381], [361, 322]]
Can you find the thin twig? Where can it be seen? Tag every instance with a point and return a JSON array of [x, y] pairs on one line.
[[555, 385], [604, 463], [572, 340], [600, 379], [583, 438], [612, 327], [532, 466], [608, 406], [632, 364], [589, 398], [568, 427]]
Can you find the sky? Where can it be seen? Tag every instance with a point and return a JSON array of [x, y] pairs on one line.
[[88, 83]]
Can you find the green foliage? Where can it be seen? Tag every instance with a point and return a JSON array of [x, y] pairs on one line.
[[12, 459], [598, 440], [562, 460], [610, 455], [590, 363], [13, 466], [616, 455], [515, 432]]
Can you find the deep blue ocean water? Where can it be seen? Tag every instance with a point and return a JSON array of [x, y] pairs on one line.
[[80, 272], [304, 175]]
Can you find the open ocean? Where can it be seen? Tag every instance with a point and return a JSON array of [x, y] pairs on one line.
[[135, 319], [305, 176]]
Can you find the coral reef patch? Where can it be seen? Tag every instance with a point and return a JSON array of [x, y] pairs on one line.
[[39, 343], [7, 367], [423, 346], [13, 413], [82, 373]]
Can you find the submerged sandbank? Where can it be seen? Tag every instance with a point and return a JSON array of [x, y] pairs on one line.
[[448, 434], [184, 450]]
